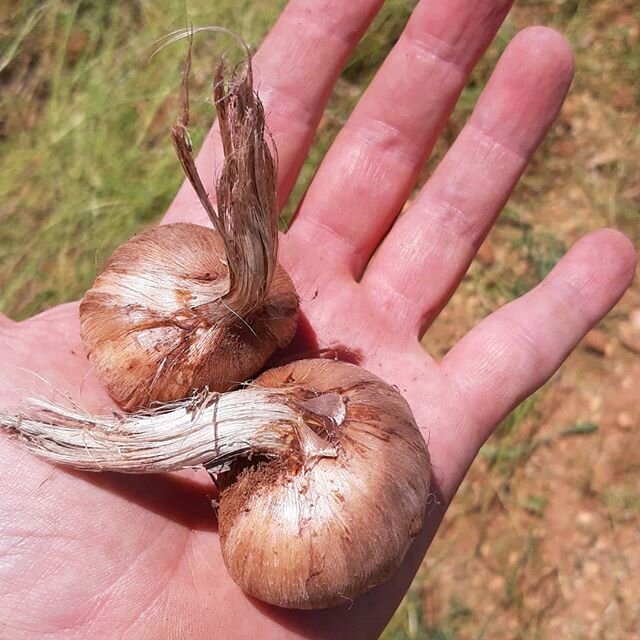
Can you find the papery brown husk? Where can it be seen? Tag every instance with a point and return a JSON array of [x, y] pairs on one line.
[[182, 306], [310, 536], [155, 328]]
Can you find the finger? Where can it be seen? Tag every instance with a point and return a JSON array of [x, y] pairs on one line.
[[294, 73], [517, 349], [373, 164], [428, 251], [6, 322]]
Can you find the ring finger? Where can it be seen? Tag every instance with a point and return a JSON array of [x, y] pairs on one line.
[[439, 235], [373, 164]]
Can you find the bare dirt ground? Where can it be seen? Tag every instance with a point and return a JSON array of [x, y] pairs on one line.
[[543, 540]]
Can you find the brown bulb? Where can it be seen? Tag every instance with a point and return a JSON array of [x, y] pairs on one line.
[[156, 325], [316, 531], [183, 306]]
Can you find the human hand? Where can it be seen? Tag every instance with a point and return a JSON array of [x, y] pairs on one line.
[[109, 556]]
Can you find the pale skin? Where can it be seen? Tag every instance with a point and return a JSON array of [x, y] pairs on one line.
[[106, 556]]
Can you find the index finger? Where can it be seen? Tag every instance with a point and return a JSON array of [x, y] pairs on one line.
[[294, 70]]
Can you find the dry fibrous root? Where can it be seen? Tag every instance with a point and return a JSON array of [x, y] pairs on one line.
[[183, 307], [324, 475]]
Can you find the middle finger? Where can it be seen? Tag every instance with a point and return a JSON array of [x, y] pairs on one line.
[[373, 164]]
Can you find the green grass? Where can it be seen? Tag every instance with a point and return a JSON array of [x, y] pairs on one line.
[[409, 622], [622, 502], [86, 160], [511, 444], [84, 117]]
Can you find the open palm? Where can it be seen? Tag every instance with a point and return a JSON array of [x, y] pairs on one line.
[[107, 556]]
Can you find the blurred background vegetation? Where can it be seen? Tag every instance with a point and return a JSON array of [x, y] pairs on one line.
[[542, 531]]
